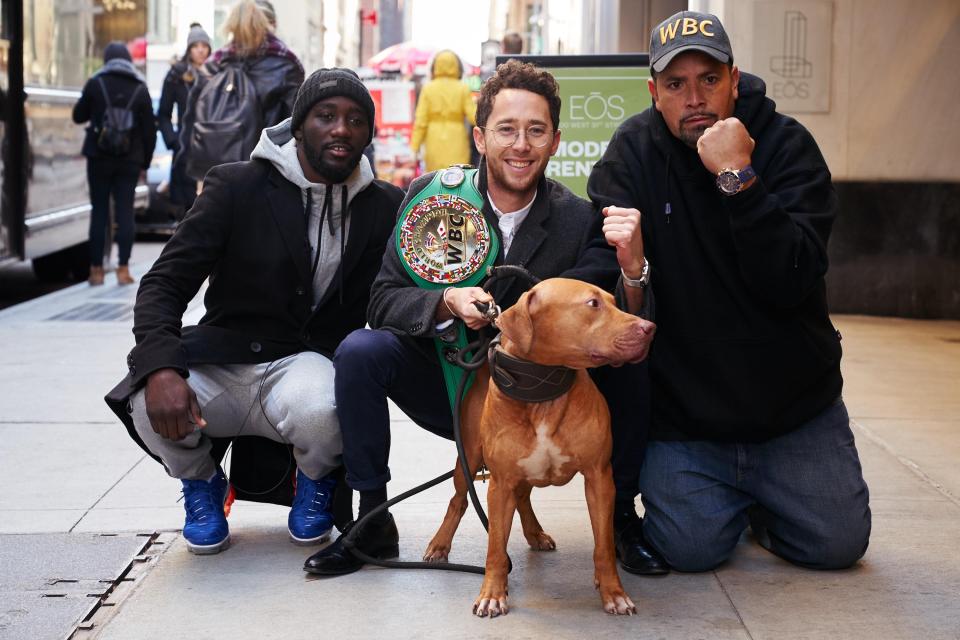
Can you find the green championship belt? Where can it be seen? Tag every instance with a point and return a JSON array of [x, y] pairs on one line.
[[444, 241]]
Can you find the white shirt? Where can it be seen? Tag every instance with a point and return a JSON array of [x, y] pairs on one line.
[[509, 223]]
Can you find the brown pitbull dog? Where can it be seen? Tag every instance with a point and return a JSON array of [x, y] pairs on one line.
[[540, 425]]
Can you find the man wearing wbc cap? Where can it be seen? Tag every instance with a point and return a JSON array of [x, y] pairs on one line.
[[291, 241], [730, 204]]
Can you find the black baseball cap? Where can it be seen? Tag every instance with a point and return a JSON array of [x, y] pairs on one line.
[[685, 31]]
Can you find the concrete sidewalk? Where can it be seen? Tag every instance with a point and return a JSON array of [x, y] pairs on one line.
[[88, 524]]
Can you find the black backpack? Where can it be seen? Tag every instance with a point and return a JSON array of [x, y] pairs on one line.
[[226, 121], [116, 130]]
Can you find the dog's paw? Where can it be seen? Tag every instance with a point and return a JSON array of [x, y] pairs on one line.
[[619, 604], [541, 542], [436, 553], [492, 607]]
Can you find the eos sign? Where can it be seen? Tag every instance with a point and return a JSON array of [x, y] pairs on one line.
[[792, 40], [597, 106]]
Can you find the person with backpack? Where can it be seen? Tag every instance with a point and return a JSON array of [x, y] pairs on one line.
[[180, 79], [118, 145], [251, 84]]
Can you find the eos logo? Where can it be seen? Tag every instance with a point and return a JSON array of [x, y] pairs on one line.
[[791, 89], [596, 106]]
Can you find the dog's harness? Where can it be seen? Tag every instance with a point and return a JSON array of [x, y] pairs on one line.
[[528, 381]]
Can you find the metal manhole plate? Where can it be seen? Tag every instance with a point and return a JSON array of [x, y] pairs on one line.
[[96, 312]]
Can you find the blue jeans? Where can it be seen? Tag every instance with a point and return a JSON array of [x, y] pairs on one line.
[[803, 494]]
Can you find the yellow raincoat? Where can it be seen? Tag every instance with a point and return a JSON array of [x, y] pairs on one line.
[[445, 104]]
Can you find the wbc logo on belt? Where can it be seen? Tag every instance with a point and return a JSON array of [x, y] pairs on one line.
[[444, 239]]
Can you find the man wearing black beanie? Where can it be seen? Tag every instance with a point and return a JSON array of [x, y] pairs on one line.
[[291, 241]]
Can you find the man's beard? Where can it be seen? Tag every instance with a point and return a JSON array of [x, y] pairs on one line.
[[334, 172], [690, 135], [499, 174]]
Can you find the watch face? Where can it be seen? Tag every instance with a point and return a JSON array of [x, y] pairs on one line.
[[728, 182]]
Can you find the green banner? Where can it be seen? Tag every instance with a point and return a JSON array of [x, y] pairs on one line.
[[596, 100]]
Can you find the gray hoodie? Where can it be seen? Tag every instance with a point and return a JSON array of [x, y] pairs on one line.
[[278, 146]]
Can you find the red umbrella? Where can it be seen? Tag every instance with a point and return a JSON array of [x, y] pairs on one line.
[[404, 58]]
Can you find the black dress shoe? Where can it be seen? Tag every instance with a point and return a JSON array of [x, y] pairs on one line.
[[377, 539], [635, 555]]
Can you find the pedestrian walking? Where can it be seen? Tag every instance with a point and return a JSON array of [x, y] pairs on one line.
[[118, 145], [444, 109], [180, 79], [250, 84]]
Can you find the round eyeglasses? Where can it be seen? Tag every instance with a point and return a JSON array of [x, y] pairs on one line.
[[506, 135]]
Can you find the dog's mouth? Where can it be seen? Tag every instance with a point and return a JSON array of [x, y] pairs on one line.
[[621, 353], [602, 359]]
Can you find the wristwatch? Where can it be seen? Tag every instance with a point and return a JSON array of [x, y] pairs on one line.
[[642, 281], [731, 181]]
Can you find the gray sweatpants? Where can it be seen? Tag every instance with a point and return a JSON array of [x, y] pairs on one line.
[[289, 400]]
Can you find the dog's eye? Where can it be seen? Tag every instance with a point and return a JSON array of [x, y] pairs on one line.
[[593, 302]]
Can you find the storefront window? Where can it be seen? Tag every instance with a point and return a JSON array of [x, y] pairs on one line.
[[64, 39]]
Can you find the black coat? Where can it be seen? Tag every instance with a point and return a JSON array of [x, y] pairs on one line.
[[560, 237], [176, 90], [745, 350], [247, 232], [174, 94], [91, 107]]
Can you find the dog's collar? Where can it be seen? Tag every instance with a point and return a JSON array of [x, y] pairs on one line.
[[528, 381]]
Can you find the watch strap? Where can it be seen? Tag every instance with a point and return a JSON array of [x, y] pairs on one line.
[[637, 283]]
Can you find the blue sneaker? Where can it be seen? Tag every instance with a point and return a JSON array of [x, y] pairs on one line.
[[311, 519], [205, 529]]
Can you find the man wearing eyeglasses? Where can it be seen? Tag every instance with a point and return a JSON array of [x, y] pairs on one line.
[[542, 227]]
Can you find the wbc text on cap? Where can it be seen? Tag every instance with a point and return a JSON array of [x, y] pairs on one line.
[[688, 30]]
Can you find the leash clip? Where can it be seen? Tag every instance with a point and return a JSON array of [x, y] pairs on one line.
[[490, 310]]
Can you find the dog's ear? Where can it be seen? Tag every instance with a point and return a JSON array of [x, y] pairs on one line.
[[516, 324]]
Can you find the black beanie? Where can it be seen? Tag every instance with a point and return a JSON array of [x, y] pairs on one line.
[[326, 83], [117, 49]]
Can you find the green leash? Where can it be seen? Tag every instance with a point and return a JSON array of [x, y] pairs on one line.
[[444, 241]]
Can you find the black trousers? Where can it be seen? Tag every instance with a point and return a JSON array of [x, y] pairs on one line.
[[106, 177]]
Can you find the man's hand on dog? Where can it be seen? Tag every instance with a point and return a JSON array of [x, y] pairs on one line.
[[459, 303], [172, 405]]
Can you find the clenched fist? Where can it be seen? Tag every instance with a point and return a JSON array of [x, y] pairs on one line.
[[725, 145], [621, 228]]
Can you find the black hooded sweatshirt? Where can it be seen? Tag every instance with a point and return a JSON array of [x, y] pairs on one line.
[[744, 350]]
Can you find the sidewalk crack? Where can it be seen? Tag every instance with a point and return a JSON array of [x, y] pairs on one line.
[[905, 461], [106, 493], [743, 624]]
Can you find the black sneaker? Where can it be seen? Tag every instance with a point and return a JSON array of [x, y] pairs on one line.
[[378, 539]]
